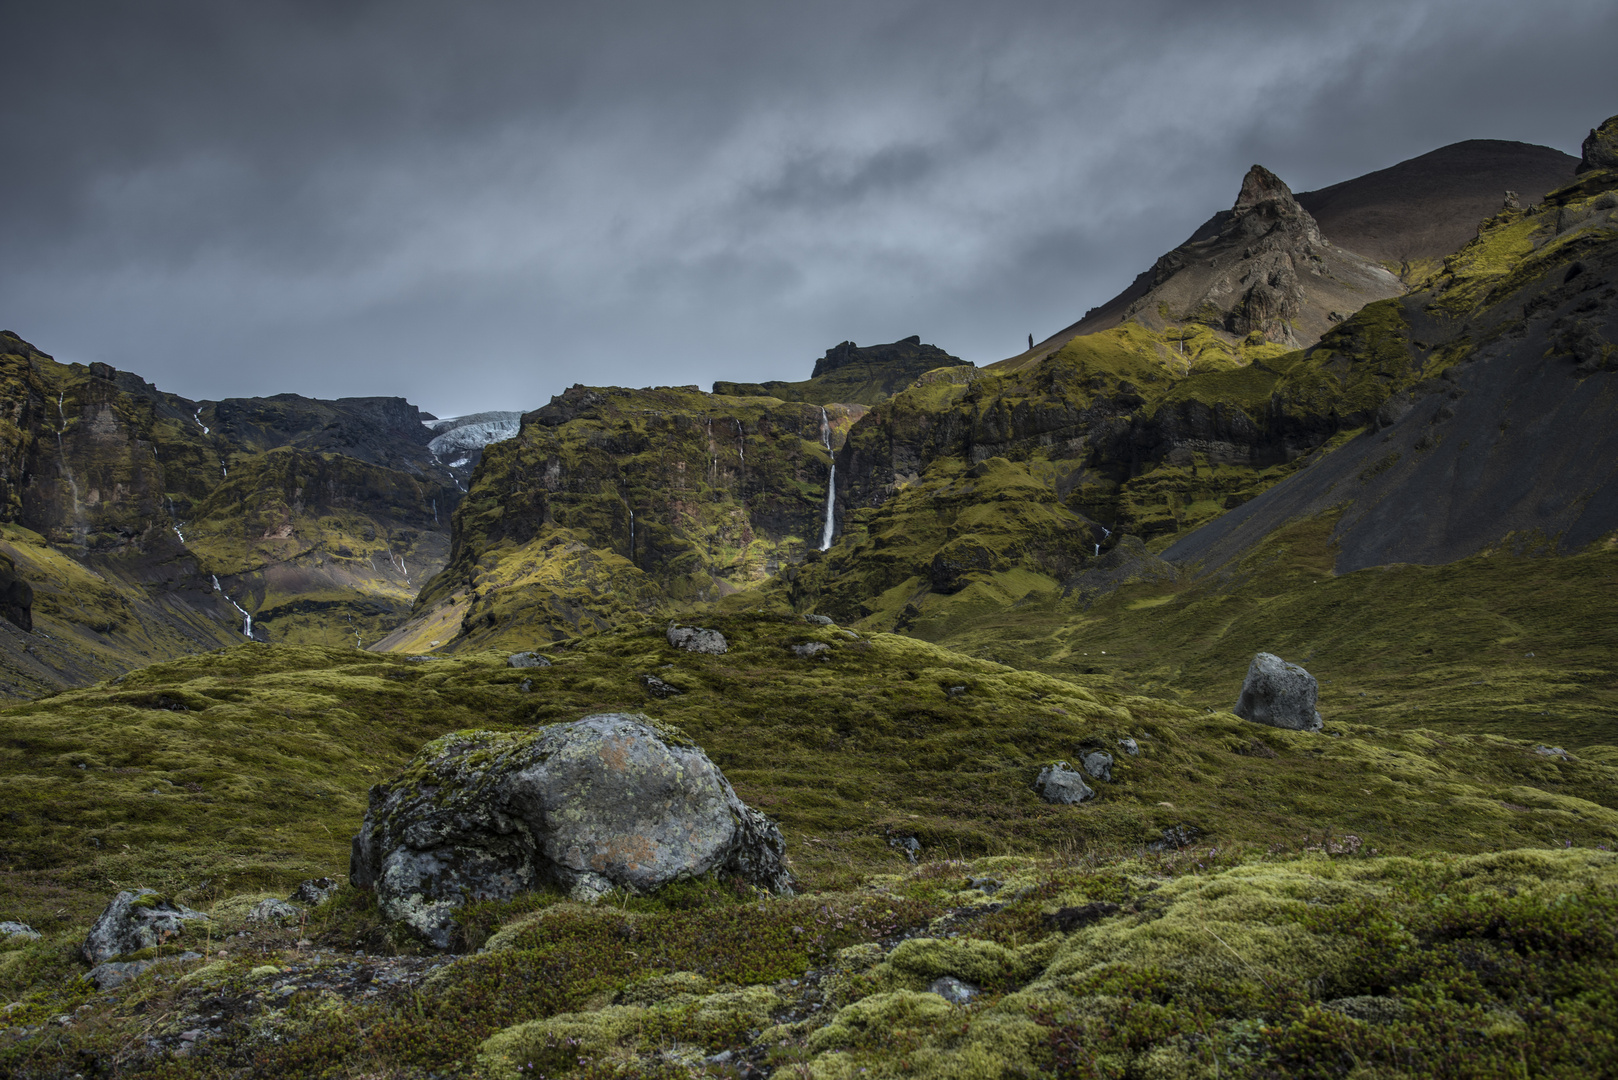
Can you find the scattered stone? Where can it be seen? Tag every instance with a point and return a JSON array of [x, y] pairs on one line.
[[112, 973], [954, 691], [526, 660], [1068, 919], [16, 931], [1279, 694], [418, 659], [1131, 747], [274, 911], [1059, 783], [987, 885], [953, 990], [527, 686], [907, 844], [134, 921], [658, 688], [314, 891], [1552, 751], [697, 639], [1099, 765], [818, 620], [810, 649], [613, 800]]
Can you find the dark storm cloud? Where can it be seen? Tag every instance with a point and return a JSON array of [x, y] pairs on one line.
[[476, 204]]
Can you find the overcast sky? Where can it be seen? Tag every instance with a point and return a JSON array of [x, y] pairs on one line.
[[476, 203]]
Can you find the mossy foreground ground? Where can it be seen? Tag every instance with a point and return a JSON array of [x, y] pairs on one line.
[[1456, 888]]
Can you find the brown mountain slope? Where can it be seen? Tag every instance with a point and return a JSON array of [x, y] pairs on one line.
[[1411, 213]]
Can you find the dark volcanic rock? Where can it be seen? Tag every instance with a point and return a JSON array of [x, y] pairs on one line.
[[1279, 694], [16, 596], [611, 801], [1600, 149]]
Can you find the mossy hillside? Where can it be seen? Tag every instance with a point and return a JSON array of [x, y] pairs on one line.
[[257, 758], [704, 494], [1209, 959], [92, 625], [1511, 641]]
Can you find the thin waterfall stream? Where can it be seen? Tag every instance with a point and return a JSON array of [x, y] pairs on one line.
[[831, 482]]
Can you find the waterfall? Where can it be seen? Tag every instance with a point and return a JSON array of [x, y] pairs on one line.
[[741, 442], [831, 482], [222, 470], [1098, 549], [358, 644], [435, 511], [247, 620], [61, 453], [198, 419], [174, 520]]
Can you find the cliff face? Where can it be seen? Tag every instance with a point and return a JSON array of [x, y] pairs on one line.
[[611, 500], [318, 518]]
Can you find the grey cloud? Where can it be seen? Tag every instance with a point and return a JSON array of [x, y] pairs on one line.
[[471, 202]]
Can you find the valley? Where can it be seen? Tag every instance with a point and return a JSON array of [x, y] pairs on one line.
[[1368, 429]]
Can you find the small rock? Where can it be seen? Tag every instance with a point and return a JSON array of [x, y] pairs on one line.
[[907, 844], [1552, 751], [1131, 747], [314, 891], [657, 687], [527, 686], [418, 659], [1175, 837], [133, 921], [987, 885], [16, 931], [953, 990], [526, 660], [697, 639], [275, 911], [818, 620], [1279, 694], [1059, 783], [810, 649], [954, 691], [1099, 765]]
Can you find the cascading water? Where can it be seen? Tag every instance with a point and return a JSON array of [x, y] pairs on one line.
[[247, 620], [632, 536], [831, 482], [741, 442], [198, 419], [67, 472]]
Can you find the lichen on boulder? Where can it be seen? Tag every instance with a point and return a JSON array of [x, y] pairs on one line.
[[134, 921], [611, 801]]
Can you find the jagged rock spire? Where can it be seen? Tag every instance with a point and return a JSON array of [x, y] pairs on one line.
[[1600, 149]]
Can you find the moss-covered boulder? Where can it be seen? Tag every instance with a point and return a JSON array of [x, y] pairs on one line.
[[611, 801], [1600, 148]]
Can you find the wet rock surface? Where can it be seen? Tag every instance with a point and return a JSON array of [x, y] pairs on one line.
[[1279, 694], [611, 801]]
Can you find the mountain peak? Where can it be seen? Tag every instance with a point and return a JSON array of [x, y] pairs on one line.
[[1260, 185]]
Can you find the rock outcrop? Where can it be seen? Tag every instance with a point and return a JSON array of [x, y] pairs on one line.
[[611, 801], [697, 639], [1279, 694], [135, 920], [16, 596], [1600, 148]]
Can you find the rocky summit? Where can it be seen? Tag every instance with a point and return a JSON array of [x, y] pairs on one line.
[[1226, 686]]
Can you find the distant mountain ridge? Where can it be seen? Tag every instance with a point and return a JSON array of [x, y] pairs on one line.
[[853, 375]]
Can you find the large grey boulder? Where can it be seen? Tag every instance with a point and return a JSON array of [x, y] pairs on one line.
[[697, 639], [1279, 694], [613, 800], [1059, 782], [135, 920]]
